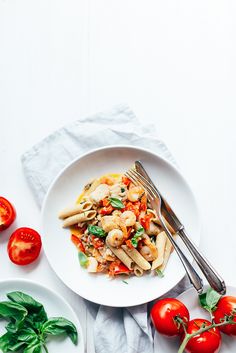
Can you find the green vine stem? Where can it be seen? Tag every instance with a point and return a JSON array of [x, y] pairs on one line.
[[45, 348], [201, 330]]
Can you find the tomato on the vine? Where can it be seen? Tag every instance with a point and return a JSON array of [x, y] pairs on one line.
[[206, 342], [165, 315], [226, 307]]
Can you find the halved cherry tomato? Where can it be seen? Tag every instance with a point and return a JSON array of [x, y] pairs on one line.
[[97, 242], [132, 206], [143, 205], [78, 243], [163, 315], [106, 210], [226, 306], [7, 213], [126, 181], [116, 268], [206, 342], [24, 246], [105, 202], [145, 221]]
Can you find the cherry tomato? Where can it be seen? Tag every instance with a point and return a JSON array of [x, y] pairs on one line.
[[97, 242], [132, 206], [226, 306], [78, 243], [24, 246], [163, 315], [206, 342], [126, 181], [117, 268], [145, 221], [106, 210], [7, 213]]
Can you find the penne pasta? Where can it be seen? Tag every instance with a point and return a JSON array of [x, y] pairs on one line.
[[78, 218], [137, 257], [168, 251], [122, 256], [138, 271], [71, 211], [161, 240]]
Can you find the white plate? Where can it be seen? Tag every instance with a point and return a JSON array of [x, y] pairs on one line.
[[62, 254], [54, 305], [190, 299]]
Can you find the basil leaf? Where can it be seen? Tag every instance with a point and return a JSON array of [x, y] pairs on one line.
[[116, 203], [122, 189], [95, 230], [59, 325], [34, 348], [83, 259], [34, 308], [15, 312], [209, 299], [159, 273], [137, 236], [6, 341]]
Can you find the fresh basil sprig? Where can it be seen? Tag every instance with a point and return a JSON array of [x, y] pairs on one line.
[[95, 230], [137, 237], [209, 300], [116, 203], [29, 326]]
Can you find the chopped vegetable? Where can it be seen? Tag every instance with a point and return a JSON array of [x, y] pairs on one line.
[[145, 221], [78, 243], [106, 210], [159, 273], [117, 269], [95, 230], [126, 181], [83, 259], [116, 203], [137, 237]]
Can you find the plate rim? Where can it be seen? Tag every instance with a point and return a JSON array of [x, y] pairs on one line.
[[53, 292], [109, 147]]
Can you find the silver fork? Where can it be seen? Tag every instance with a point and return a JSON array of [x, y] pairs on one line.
[[155, 201], [213, 278]]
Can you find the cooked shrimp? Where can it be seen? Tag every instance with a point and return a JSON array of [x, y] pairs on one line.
[[129, 218], [134, 193], [146, 252], [101, 192], [115, 237]]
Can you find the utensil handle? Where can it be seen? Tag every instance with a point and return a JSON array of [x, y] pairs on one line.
[[193, 276], [213, 278]]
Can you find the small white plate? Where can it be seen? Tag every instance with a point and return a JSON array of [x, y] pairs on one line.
[[62, 254], [54, 305], [190, 299]]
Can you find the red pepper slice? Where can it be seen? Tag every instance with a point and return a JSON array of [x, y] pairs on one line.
[[78, 243], [117, 269]]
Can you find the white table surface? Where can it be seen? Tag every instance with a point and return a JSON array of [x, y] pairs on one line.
[[173, 62]]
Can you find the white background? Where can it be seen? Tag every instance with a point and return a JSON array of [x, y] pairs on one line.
[[174, 62]]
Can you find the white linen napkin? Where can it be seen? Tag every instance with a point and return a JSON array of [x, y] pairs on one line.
[[116, 330]]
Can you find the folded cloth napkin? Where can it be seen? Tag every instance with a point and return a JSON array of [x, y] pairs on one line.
[[116, 330]]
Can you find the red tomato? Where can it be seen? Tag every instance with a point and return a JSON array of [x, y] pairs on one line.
[[24, 246], [106, 210], [163, 315], [7, 213], [132, 206], [97, 242], [226, 306], [126, 181], [206, 342], [116, 268], [145, 221], [78, 243]]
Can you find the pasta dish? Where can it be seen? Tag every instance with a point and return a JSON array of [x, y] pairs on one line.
[[115, 230]]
